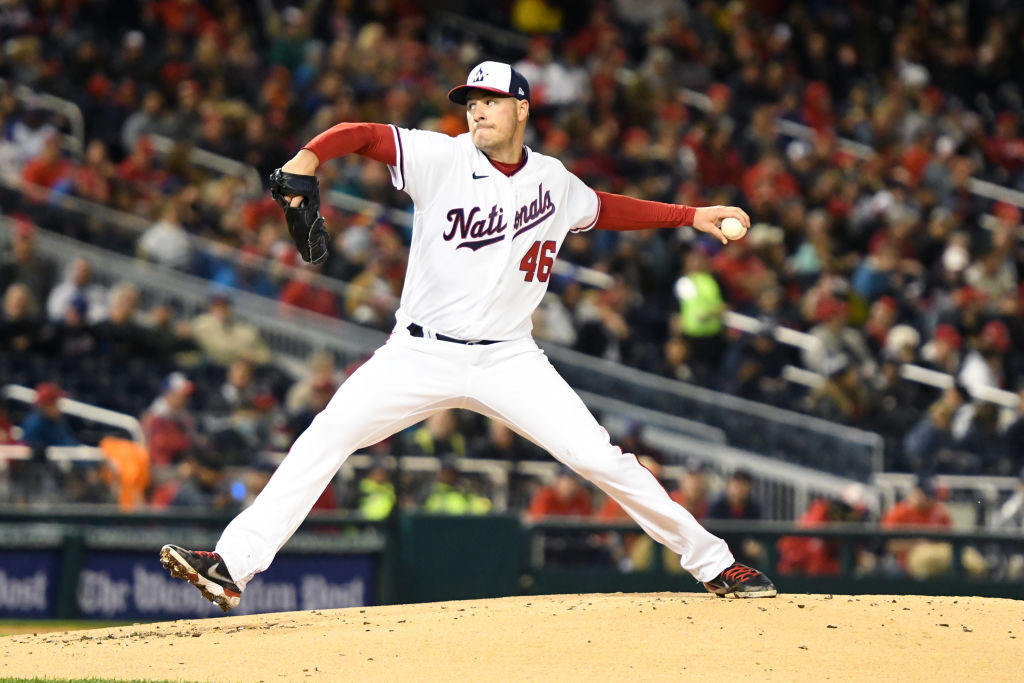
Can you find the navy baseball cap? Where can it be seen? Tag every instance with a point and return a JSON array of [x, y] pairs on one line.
[[496, 77], [926, 483]]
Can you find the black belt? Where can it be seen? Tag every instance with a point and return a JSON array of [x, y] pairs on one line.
[[417, 331]]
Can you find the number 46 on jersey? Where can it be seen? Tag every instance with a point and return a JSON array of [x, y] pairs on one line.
[[538, 261]]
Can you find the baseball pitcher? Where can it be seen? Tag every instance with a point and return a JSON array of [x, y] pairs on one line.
[[490, 217]]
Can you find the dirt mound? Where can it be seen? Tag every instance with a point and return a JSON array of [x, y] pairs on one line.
[[657, 636]]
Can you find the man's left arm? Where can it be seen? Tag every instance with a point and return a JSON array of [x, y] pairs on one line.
[[618, 212]]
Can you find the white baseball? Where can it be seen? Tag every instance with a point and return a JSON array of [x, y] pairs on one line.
[[732, 228]]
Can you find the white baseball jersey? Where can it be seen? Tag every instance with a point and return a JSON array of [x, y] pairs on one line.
[[483, 243]]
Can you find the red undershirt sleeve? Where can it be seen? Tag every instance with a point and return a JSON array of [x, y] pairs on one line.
[[373, 140], [619, 212]]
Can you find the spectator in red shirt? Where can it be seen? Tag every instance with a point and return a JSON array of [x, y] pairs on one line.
[[93, 179], [720, 164], [565, 497], [919, 509], [818, 556], [184, 17], [1006, 146], [7, 433], [882, 316], [942, 353], [46, 170], [742, 272], [920, 558], [169, 428], [770, 175], [692, 493], [139, 170], [302, 293], [817, 106]]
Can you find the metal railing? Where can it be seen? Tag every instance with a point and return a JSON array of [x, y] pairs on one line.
[[85, 411], [908, 371], [495, 471], [941, 380], [137, 225], [915, 373], [289, 330], [214, 162], [611, 407], [353, 204], [980, 496], [57, 454], [61, 456], [784, 489], [752, 426], [74, 141]]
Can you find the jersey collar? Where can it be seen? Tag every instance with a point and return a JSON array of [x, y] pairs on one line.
[[488, 166]]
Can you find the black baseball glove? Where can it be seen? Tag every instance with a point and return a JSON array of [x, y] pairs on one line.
[[305, 224]]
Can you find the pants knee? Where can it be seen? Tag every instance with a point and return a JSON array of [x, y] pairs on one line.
[[324, 435], [599, 462]]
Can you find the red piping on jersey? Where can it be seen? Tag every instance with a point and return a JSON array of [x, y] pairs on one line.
[[592, 223], [401, 157], [619, 212]]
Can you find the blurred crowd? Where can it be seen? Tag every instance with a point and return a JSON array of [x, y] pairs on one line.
[[879, 250], [712, 500]]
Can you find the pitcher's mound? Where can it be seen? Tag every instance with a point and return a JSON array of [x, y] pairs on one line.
[[656, 636]]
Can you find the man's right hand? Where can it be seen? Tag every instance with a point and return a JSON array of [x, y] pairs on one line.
[[708, 218], [303, 163]]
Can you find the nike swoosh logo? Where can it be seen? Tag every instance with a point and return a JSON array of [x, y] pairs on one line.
[[214, 573], [478, 177]]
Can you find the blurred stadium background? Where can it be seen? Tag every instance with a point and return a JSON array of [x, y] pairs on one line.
[[854, 366]]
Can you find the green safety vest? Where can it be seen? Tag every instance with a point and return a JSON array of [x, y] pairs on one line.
[[425, 440], [377, 500], [700, 306], [447, 500]]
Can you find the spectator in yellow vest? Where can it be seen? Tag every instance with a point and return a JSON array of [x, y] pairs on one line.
[[450, 496], [700, 314], [376, 493]]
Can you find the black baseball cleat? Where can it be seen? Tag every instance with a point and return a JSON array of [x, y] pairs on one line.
[[741, 581], [205, 571]]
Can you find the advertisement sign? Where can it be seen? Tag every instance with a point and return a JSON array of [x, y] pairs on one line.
[[123, 585], [28, 583]]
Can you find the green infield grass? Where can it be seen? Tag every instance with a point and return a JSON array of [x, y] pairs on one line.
[[14, 627], [81, 680]]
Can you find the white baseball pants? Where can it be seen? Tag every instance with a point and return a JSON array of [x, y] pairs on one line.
[[410, 378]]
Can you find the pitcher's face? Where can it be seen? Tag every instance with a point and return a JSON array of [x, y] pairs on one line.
[[493, 119]]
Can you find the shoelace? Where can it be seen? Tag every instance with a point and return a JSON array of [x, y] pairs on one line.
[[205, 554], [739, 573]]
